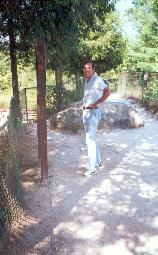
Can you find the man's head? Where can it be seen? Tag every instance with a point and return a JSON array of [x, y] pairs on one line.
[[88, 69]]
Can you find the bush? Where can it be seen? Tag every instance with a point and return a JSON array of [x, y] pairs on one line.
[[151, 93], [68, 96]]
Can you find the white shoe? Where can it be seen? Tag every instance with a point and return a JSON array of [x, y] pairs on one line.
[[90, 172], [99, 165]]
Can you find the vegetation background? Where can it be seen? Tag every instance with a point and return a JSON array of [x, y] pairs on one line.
[[69, 40], [71, 31]]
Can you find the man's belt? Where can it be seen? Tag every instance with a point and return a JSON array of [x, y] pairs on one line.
[[89, 108]]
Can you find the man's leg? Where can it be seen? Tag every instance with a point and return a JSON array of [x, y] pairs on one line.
[[92, 145], [90, 121], [98, 157]]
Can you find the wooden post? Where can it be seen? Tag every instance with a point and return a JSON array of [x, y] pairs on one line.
[[122, 84], [41, 109], [26, 107]]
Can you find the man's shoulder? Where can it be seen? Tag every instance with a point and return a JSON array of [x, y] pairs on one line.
[[98, 78]]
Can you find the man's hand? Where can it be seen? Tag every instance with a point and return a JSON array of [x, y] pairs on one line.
[[105, 95], [92, 106]]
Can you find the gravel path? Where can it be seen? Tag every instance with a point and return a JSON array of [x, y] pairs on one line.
[[113, 212]]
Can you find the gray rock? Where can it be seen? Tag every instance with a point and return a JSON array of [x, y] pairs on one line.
[[115, 114], [69, 119], [120, 114]]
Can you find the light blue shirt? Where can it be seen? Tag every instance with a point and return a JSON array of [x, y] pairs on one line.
[[93, 90]]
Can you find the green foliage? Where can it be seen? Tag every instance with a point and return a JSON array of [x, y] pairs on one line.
[[142, 53], [5, 97], [71, 92], [104, 44], [65, 46], [151, 92], [58, 23], [5, 73], [27, 75]]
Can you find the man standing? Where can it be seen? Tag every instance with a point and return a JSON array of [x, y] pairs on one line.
[[95, 92]]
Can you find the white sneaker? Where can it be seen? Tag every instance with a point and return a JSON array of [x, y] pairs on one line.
[[90, 172], [99, 165]]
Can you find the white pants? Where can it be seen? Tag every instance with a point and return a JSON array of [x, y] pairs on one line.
[[90, 121]]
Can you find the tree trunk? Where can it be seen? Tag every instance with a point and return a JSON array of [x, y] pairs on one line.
[[13, 59], [41, 109], [59, 87]]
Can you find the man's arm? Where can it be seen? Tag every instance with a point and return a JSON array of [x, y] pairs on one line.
[[106, 94]]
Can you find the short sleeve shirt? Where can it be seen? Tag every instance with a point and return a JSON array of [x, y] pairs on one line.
[[93, 90]]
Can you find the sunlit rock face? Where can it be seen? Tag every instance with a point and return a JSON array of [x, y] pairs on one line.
[[120, 114], [115, 114]]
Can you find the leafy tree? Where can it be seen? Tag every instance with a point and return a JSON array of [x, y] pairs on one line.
[[142, 53], [62, 45], [105, 45], [27, 21], [9, 12], [5, 75]]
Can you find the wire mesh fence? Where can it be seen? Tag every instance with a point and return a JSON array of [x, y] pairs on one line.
[[134, 84], [28, 104], [71, 90], [11, 193]]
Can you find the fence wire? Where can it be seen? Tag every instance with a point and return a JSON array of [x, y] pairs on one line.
[[11, 194], [28, 104]]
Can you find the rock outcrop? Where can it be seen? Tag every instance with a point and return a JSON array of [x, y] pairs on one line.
[[115, 114]]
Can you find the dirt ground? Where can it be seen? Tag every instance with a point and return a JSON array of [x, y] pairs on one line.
[[113, 212]]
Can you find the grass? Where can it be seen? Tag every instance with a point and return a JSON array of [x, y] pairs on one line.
[[31, 100], [5, 100], [134, 91]]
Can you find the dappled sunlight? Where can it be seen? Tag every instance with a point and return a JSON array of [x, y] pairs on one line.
[[54, 152], [117, 178], [29, 235], [148, 191], [50, 203], [111, 214], [108, 215], [136, 160], [145, 145], [58, 198], [68, 227], [151, 245], [42, 244], [113, 211], [118, 248], [90, 231], [154, 222], [83, 162], [24, 223], [123, 145]]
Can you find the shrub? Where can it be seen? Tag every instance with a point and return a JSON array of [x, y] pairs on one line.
[[151, 93], [68, 96]]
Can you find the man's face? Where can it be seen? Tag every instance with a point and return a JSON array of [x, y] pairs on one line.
[[88, 71]]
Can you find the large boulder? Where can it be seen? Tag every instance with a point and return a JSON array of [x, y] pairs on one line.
[[120, 113], [69, 119], [153, 107], [115, 114]]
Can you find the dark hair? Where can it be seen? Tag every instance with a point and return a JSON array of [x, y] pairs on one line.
[[89, 61]]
